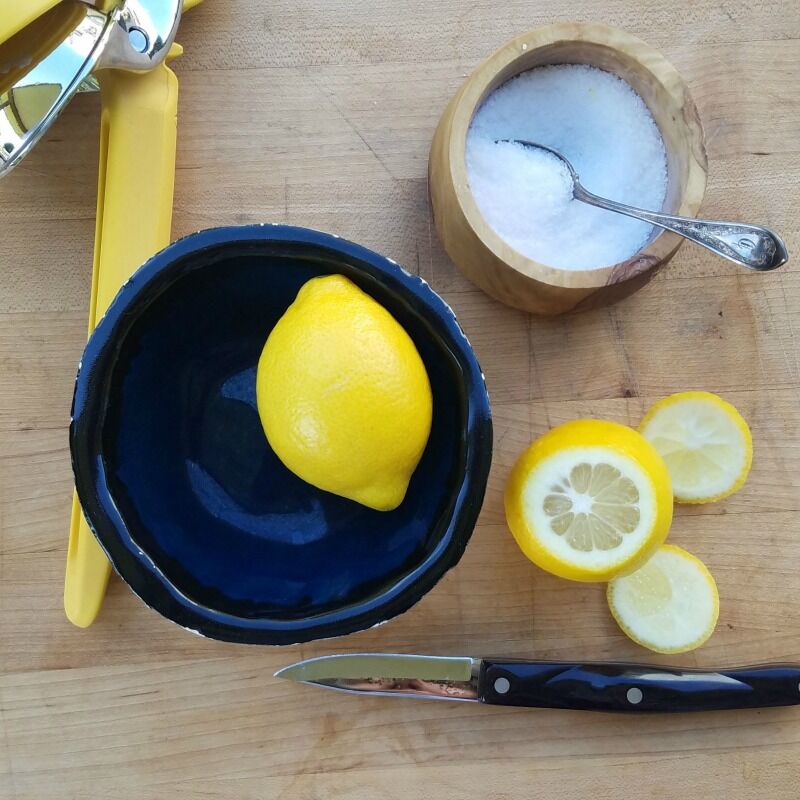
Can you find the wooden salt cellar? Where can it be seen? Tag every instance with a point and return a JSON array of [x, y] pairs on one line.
[[489, 261]]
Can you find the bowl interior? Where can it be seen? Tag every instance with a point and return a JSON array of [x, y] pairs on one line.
[[646, 83], [189, 469]]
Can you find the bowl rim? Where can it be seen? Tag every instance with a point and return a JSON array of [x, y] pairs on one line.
[[137, 568], [474, 89]]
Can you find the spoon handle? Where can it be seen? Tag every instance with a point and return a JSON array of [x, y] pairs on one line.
[[752, 246]]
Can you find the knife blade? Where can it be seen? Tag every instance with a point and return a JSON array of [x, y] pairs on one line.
[[585, 686]]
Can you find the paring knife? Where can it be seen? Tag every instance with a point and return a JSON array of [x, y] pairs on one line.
[[549, 684]]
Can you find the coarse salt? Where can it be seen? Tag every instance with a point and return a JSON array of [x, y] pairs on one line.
[[606, 131]]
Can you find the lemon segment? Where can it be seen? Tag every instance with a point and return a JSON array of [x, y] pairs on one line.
[[705, 443], [669, 605], [343, 394], [588, 500]]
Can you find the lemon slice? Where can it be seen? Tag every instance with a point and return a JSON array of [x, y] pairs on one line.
[[588, 500], [705, 443], [669, 605]]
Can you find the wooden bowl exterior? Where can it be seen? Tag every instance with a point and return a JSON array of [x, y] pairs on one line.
[[489, 261]]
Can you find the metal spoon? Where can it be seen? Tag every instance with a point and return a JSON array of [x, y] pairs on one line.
[[752, 246]]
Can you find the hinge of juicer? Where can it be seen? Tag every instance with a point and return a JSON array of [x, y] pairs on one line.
[[135, 35]]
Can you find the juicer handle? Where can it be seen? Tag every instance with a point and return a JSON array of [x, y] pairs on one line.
[[18, 14], [134, 217]]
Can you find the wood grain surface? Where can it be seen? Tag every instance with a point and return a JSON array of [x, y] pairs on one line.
[[321, 113]]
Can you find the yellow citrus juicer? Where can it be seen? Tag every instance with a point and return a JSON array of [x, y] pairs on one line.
[[49, 51]]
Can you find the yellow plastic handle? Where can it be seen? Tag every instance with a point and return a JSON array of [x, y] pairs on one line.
[[18, 14], [134, 218]]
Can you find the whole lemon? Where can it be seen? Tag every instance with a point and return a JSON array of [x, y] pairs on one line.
[[343, 394]]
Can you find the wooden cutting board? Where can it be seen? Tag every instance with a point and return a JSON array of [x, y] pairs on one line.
[[320, 113]]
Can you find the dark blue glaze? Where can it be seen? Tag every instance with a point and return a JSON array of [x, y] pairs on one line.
[[636, 687], [181, 487]]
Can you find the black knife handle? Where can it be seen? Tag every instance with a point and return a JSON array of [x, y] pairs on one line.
[[635, 687]]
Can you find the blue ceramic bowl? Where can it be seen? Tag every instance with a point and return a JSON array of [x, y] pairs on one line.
[[177, 479]]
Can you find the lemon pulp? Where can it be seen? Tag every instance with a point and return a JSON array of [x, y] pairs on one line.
[[594, 507]]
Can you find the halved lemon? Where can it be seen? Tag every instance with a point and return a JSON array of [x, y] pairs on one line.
[[705, 443], [589, 500], [669, 605]]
